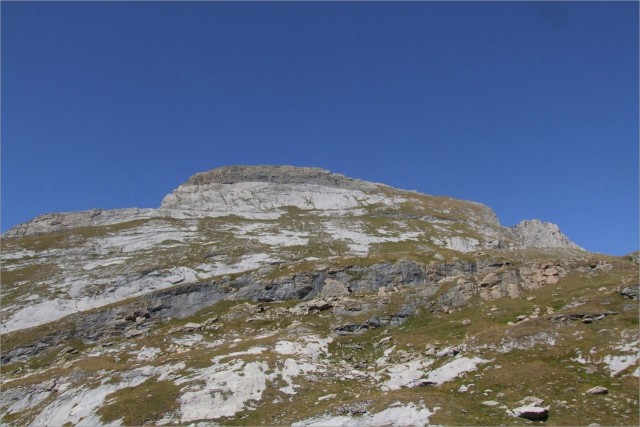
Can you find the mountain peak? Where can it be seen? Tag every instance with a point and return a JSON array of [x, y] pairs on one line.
[[264, 187], [277, 174]]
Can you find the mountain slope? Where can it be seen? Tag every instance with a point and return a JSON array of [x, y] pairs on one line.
[[277, 295], [231, 220]]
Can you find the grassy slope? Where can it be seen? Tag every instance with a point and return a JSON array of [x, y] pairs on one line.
[[543, 370]]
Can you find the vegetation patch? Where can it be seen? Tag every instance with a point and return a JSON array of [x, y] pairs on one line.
[[144, 404]]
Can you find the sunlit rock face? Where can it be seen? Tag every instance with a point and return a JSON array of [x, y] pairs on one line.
[[230, 220], [539, 234], [276, 295]]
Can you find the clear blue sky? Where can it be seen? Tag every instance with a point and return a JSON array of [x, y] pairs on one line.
[[530, 108]]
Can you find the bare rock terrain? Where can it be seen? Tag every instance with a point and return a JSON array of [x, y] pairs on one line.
[[276, 295]]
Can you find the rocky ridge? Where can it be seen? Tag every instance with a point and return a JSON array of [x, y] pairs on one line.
[[268, 215], [280, 295]]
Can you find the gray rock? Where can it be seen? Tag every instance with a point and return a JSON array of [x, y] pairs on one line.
[[597, 390], [132, 333], [49, 385], [430, 350], [537, 234], [56, 222], [631, 292], [490, 280], [311, 306], [333, 289], [584, 317], [189, 327], [355, 408], [534, 413]]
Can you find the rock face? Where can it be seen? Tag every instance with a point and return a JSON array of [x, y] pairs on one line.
[[275, 295], [231, 220], [260, 190]]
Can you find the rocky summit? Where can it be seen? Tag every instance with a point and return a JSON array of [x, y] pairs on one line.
[[278, 295]]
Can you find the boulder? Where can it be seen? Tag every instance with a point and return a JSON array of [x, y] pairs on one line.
[[131, 333], [597, 390], [333, 289], [311, 306], [534, 413], [490, 280], [430, 350], [189, 327], [319, 305], [631, 292], [49, 385]]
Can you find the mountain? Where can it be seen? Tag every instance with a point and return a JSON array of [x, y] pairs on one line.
[[278, 295]]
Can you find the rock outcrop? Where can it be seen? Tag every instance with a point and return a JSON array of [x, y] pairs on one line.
[[538, 234]]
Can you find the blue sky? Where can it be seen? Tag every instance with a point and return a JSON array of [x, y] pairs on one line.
[[530, 108]]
